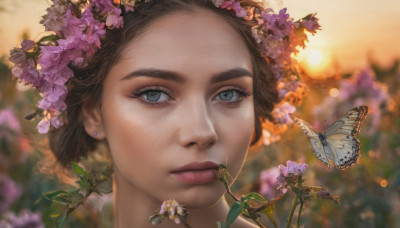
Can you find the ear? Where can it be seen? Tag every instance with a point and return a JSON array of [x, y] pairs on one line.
[[92, 120]]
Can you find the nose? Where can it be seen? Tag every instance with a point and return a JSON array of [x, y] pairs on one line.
[[197, 126]]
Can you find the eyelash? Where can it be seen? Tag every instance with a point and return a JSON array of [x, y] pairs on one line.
[[139, 93], [242, 92]]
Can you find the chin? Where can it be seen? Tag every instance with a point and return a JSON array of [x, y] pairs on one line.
[[198, 197]]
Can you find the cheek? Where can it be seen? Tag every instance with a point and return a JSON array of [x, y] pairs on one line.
[[236, 133], [131, 136]]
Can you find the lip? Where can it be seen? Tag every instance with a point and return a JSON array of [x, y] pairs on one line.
[[196, 172]]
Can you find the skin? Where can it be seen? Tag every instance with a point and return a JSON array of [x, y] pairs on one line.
[[155, 124]]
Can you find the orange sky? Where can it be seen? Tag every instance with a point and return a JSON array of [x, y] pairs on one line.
[[352, 30]]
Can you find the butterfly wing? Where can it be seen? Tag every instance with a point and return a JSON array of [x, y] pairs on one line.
[[316, 143], [344, 146], [350, 123]]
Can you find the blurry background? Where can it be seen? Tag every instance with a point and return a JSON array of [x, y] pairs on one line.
[[353, 32], [353, 60]]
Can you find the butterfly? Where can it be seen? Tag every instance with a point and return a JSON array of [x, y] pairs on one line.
[[339, 143]]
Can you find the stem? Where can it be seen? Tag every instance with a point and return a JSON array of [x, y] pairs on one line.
[[300, 186], [298, 216], [222, 174], [259, 224], [294, 205], [230, 193]]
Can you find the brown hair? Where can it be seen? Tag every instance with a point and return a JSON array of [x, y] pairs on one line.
[[71, 142]]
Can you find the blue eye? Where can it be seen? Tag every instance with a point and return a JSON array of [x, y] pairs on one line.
[[152, 96], [231, 95], [227, 95]]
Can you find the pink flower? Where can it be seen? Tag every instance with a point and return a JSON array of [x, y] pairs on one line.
[[129, 8], [240, 11], [311, 23], [82, 36], [53, 59], [9, 192], [269, 183], [173, 211], [72, 25], [292, 168], [27, 45], [218, 3], [114, 18], [226, 4], [17, 56], [24, 69], [43, 126], [25, 219], [269, 138], [89, 41], [114, 21], [277, 25], [54, 20], [56, 92], [281, 113], [7, 117], [56, 122], [55, 71], [104, 7], [46, 104], [163, 207]]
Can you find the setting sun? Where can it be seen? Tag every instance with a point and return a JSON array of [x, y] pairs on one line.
[[315, 58], [316, 61]]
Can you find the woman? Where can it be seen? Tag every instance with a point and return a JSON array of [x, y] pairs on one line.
[[181, 88]]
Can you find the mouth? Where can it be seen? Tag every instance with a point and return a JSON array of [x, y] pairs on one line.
[[196, 172]]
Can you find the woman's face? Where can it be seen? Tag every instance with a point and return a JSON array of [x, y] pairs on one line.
[[177, 104]]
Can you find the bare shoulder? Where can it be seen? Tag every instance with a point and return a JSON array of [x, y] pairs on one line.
[[243, 223]]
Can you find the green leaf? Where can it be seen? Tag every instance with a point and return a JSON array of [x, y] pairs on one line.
[[50, 37], [255, 196], [62, 200], [270, 213], [156, 219], [77, 169], [76, 197], [221, 225], [246, 205], [82, 184], [56, 194], [233, 213], [108, 171]]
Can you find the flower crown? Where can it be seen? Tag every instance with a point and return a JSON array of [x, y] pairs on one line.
[[75, 30]]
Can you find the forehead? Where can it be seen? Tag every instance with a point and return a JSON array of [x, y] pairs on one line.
[[187, 37]]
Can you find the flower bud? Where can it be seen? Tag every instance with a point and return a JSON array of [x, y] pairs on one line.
[[27, 45]]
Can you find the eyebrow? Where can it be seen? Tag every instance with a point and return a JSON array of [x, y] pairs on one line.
[[176, 77], [231, 74], [155, 73]]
